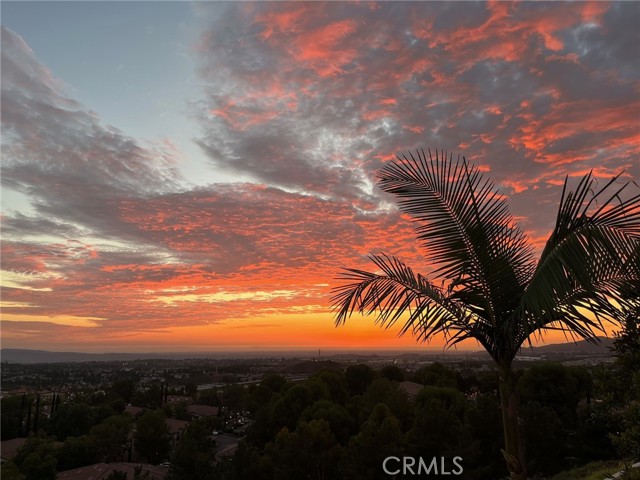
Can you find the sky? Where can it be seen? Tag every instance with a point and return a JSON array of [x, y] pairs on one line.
[[193, 176]]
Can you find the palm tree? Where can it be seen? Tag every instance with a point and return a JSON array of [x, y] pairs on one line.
[[485, 284]]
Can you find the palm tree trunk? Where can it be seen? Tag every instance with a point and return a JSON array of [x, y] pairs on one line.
[[513, 453]]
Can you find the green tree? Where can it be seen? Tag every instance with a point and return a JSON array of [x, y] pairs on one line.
[[335, 385], [168, 410], [181, 411], [358, 378], [9, 471], [150, 398], [310, 452], [627, 351], [545, 438], [233, 397], [152, 436], [248, 464], [392, 372], [123, 389], [258, 396], [117, 405], [36, 459], [209, 397], [556, 386], [274, 382], [340, 422], [379, 437], [71, 420], [627, 442], [194, 454], [383, 391], [439, 426], [110, 438], [191, 390], [482, 459], [12, 409], [626, 348], [287, 409], [37, 467], [76, 452], [485, 284], [437, 375]]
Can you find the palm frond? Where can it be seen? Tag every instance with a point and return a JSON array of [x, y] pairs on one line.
[[466, 228], [396, 292], [589, 261], [495, 293]]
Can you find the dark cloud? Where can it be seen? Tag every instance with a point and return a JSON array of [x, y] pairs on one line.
[[313, 97], [19, 225], [612, 43]]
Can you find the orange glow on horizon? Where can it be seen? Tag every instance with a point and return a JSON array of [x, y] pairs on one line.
[[281, 332]]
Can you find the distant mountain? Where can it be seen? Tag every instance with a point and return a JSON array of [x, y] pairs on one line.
[[16, 355], [581, 348]]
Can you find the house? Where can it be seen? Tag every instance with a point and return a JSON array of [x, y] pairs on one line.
[[200, 411], [133, 411], [410, 388], [176, 428], [9, 448], [100, 471], [226, 446], [178, 399]]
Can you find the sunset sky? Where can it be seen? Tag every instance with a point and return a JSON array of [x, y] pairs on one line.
[[192, 176]]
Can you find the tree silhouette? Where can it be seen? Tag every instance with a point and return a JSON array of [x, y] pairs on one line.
[[490, 287]]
